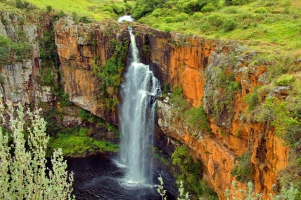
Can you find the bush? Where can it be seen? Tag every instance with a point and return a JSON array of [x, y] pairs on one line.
[[261, 10], [190, 172], [169, 19], [243, 169], [197, 119], [23, 163], [181, 17], [118, 9], [2, 78], [216, 20], [13, 52], [47, 77], [208, 8], [64, 100], [285, 80], [229, 25], [252, 99]]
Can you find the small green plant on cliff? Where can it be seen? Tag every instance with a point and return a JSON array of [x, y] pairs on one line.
[[47, 77], [24, 174], [190, 172], [64, 100], [275, 112], [196, 118], [226, 88], [11, 52], [179, 104], [252, 99], [243, 167]]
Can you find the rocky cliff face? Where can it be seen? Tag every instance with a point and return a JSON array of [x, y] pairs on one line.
[[79, 47], [19, 77]]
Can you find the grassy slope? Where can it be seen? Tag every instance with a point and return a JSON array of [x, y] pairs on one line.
[[278, 29], [96, 9], [92, 8]]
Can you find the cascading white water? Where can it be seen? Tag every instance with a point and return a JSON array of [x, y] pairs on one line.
[[136, 116]]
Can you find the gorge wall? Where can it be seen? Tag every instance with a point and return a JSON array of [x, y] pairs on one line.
[[194, 63]]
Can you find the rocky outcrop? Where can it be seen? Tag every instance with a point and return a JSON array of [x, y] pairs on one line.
[[18, 77], [79, 47]]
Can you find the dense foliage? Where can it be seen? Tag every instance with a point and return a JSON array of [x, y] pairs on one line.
[[243, 167], [24, 174], [190, 172], [195, 117], [13, 52]]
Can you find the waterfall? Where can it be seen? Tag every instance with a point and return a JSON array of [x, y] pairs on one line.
[[136, 116]]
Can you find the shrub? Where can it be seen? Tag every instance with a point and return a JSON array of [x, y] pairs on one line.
[[23, 163], [252, 99], [190, 171], [229, 25], [2, 78], [197, 15], [299, 162], [48, 9], [169, 19], [47, 77], [13, 52], [64, 100], [285, 80], [208, 8], [118, 9], [239, 2], [85, 19], [261, 10], [243, 167], [216, 20], [181, 17], [197, 119]]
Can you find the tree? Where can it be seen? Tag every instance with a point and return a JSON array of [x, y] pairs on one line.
[[23, 171]]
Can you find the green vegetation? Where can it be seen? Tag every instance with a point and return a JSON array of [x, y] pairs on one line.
[[222, 97], [13, 52], [23, 163], [243, 168], [274, 25], [110, 76], [76, 142], [190, 172], [196, 118], [94, 9]]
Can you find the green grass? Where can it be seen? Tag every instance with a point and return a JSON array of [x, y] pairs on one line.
[[77, 143], [277, 30], [93, 9], [96, 9]]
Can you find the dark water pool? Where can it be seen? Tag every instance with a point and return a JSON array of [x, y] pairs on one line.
[[97, 177]]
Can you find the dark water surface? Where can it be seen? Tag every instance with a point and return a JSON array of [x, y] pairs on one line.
[[97, 177]]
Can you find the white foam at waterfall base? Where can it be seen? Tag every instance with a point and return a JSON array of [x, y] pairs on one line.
[[137, 116], [127, 18]]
